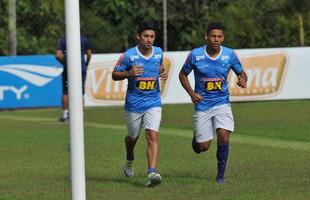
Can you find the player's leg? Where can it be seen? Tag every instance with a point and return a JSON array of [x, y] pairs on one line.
[[130, 143], [152, 149], [83, 86], [222, 153], [224, 124], [134, 125], [203, 131], [152, 156], [199, 147], [64, 98], [151, 121], [65, 101], [65, 106]]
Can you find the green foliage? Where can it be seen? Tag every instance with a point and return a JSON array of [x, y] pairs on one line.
[[115, 22], [39, 23], [111, 24], [4, 43]]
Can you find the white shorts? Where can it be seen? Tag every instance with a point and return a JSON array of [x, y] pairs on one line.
[[149, 119], [206, 122]]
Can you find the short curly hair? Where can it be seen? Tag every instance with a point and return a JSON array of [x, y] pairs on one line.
[[146, 25], [214, 25]]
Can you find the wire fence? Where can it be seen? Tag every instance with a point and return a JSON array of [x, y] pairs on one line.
[[34, 26]]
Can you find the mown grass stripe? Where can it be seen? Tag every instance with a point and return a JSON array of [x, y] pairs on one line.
[[236, 138], [245, 139]]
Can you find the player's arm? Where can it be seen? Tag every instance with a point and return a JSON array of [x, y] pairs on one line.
[[60, 56], [88, 56], [238, 69], [121, 70], [163, 74], [242, 79], [59, 53], [121, 75], [118, 76], [183, 77]]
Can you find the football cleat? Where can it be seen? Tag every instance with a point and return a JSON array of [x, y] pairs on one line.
[[64, 119], [154, 179], [220, 180], [128, 169]]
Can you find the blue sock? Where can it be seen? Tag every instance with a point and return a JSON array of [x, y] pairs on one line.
[[130, 157], [222, 156], [150, 170]]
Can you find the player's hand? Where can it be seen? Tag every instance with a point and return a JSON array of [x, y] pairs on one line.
[[163, 75], [242, 80], [196, 98], [135, 71]]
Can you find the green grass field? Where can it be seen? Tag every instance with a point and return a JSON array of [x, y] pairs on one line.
[[269, 155]]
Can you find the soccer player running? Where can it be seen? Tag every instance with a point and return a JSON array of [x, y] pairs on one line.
[[61, 56], [142, 66], [211, 64]]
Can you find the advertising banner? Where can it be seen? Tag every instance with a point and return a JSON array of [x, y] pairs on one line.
[[273, 74], [35, 81], [29, 82]]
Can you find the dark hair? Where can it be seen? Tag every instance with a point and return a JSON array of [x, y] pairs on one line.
[[146, 25], [214, 25]]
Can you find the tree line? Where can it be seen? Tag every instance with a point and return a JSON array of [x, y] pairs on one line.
[[111, 24]]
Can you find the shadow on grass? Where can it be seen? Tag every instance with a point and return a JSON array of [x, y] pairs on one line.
[[135, 181], [140, 181]]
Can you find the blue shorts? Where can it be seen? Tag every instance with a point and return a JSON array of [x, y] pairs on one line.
[[65, 81]]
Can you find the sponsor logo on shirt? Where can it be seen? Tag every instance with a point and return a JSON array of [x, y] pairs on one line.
[[213, 84], [157, 56], [133, 57], [145, 84], [199, 57], [225, 57]]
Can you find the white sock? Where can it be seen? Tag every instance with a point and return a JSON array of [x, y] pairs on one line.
[[65, 113]]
